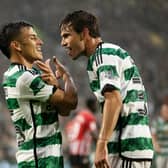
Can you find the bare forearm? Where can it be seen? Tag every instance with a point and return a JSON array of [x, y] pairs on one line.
[[155, 143], [111, 112], [70, 96], [65, 100]]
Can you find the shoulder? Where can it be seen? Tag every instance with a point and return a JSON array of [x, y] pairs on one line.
[[110, 45], [113, 49], [13, 74], [27, 77]]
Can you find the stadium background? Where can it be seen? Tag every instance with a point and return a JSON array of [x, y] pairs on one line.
[[140, 27]]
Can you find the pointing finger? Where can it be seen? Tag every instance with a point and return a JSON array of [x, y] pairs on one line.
[[56, 61], [47, 62]]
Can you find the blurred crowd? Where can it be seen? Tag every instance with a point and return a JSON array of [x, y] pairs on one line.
[[8, 145]]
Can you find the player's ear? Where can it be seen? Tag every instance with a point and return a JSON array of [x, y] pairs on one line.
[[15, 45], [84, 33]]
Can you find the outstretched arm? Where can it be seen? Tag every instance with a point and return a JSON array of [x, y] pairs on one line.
[[111, 112], [64, 99]]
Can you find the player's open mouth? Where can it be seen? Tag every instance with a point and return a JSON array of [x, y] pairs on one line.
[[68, 50]]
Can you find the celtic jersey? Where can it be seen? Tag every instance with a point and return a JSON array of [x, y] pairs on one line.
[[36, 122], [111, 67], [160, 129]]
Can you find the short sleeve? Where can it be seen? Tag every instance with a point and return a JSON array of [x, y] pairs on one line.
[[109, 73], [33, 87]]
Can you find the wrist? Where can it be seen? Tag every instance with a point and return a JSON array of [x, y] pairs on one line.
[[66, 76], [102, 139]]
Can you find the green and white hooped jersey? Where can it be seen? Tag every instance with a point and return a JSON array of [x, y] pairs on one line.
[[160, 129], [111, 66], [37, 130]]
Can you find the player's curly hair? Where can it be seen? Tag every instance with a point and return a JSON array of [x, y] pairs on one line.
[[8, 33]]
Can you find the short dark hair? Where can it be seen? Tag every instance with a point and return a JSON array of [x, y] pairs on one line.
[[91, 103], [8, 33], [81, 19]]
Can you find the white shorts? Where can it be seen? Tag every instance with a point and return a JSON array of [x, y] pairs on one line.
[[119, 162]]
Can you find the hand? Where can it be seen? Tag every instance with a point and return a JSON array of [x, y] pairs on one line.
[[101, 155], [61, 71], [47, 75], [157, 147]]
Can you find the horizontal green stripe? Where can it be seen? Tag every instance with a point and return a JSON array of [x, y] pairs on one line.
[[12, 103], [133, 119], [107, 51], [46, 118], [48, 162], [116, 52], [41, 119], [10, 81], [22, 124], [131, 144], [90, 63], [131, 72], [94, 85], [134, 95], [37, 84], [42, 142]]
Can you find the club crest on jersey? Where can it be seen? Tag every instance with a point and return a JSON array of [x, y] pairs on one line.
[[107, 75]]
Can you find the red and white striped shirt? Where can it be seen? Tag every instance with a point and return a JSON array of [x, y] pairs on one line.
[[78, 132]]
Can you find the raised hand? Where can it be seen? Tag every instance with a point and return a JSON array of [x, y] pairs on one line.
[[47, 75], [61, 71]]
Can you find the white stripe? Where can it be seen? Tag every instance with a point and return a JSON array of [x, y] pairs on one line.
[[128, 85], [137, 154], [92, 75], [42, 131], [50, 150], [114, 82], [135, 131], [12, 92], [132, 107], [127, 63], [132, 131], [99, 96], [10, 72], [25, 93], [110, 45], [112, 60], [17, 114]]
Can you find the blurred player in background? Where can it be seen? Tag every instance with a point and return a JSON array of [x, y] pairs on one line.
[[80, 131], [160, 136]]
